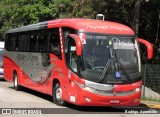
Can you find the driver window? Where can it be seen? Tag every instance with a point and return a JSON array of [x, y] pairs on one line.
[[72, 55]]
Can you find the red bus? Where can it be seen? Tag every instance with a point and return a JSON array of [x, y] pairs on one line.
[[81, 61]]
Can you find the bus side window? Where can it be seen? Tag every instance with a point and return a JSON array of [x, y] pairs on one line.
[[11, 42], [42, 41], [17, 42], [34, 42], [55, 43], [24, 42]]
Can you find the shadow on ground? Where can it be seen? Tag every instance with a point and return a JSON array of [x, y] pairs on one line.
[[2, 80]]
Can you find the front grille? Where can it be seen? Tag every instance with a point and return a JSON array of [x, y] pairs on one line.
[[111, 93]]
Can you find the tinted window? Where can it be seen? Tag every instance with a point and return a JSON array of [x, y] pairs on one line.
[[10, 41], [43, 41], [55, 42], [34, 42], [24, 42]]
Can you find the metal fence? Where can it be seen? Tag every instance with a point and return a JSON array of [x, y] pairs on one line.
[[151, 78]]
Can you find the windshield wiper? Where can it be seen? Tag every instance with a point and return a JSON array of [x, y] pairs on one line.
[[117, 64], [105, 70], [107, 66]]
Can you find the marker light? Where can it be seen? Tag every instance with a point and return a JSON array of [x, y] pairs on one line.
[[87, 99], [137, 90], [85, 87]]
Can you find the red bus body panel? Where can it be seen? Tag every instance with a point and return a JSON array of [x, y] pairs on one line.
[[95, 26]]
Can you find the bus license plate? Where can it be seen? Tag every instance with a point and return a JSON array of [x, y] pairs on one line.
[[114, 101]]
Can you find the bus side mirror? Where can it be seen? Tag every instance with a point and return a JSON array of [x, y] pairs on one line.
[[78, 44], [149, 47]]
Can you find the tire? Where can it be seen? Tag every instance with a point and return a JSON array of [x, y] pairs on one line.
[[57, 95], [17, 87]]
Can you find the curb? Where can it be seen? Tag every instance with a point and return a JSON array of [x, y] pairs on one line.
[[154, 106], [150, 104]]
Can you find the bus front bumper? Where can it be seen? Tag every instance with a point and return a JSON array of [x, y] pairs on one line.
[[86, 98]]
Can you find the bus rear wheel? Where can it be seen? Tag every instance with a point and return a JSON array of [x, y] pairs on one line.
[[17, 87], [57, 95]]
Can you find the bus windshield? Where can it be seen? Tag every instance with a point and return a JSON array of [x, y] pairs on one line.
[[110, 59]]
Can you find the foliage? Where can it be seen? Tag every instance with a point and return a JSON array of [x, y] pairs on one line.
[[149, 19], [148, 26], [16, 13], [150, 99], [126, 12], [119, 10], [71, 8]]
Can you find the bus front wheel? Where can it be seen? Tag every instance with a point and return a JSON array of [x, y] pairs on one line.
[[15, 81], [57, 95]]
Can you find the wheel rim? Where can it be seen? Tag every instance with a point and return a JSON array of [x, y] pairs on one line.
[[59, 95]]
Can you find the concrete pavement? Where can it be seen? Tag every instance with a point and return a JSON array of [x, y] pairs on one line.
[[9, 98]]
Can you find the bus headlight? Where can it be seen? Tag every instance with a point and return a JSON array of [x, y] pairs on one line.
[[80, 85], [84, 87], [88, 89]]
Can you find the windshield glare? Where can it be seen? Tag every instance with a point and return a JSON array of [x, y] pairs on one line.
[[98, 50], [126, 52]]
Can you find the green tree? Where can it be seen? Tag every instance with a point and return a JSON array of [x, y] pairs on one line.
[[16, 13], [6, 10], [71, 8], [149, 19]]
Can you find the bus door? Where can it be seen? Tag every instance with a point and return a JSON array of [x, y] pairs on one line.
[[73, 68]]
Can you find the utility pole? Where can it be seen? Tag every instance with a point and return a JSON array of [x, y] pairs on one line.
[[157, 29], [136, 15]]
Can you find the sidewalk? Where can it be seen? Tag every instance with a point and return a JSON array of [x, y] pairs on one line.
[[151, 104]]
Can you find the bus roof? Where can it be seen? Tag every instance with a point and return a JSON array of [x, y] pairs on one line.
[[85, 25]]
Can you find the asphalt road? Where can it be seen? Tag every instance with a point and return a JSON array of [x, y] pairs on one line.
[[28, 101]]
